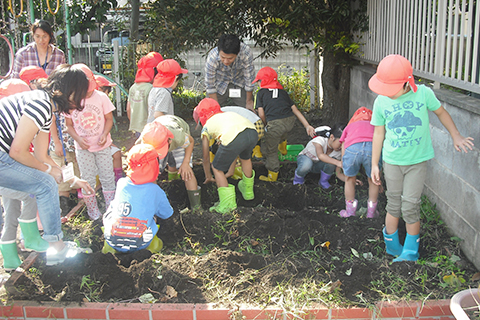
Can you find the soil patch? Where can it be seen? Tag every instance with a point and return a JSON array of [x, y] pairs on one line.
[[288, 238]]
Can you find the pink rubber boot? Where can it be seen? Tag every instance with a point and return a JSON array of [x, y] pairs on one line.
[[108, 196], [350, 210], [372, 211], [92, 206]]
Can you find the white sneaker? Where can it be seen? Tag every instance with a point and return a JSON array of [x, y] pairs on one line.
[[70, 250]]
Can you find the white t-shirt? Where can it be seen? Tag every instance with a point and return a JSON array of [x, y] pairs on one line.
[[311, 152]]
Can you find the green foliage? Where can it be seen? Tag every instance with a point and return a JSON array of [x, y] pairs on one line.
[[185, 101], [296, 83]]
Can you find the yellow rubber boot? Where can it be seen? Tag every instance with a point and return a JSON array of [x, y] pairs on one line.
[[282, 147], [256, 153], [156, 245], [272, 176], [107, 248], [238, 173]]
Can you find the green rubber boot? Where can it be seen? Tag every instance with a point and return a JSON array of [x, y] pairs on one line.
[[32, 239], [194, 196], [228, 200], [108, 249], [246, 186], [11, 261], [173, 175]]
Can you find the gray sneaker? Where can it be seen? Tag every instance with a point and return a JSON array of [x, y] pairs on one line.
[[70, 250]]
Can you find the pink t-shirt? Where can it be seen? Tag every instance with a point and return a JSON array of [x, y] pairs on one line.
[[355, 132], [90, 122]]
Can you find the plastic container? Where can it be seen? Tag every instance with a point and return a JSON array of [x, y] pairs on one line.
[[292, 152], [467, 299]]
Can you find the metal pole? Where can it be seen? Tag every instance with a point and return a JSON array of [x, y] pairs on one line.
[[116, 75], [69, 36], [32, 12]]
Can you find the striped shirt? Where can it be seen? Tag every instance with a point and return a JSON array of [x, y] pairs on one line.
[[27, 56], [33, 104], [241, 72]]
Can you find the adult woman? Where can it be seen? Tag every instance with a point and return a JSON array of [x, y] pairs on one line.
[[41, 52], [26, 117]]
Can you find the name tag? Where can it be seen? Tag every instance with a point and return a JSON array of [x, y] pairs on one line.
[[235, 93], [67, 172]]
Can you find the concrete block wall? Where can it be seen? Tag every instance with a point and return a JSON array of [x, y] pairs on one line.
[[453, 179]]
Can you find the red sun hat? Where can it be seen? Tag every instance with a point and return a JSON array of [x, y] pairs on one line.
[[205, 110], [392, 73], [92, 84], [30, 73], [167, 73], [146, 65], [103, 82], [157, 135], [142, 162], [12, 86], [268, 78]]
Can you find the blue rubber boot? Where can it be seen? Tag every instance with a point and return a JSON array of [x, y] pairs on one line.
[[410, 249], [392, 244]]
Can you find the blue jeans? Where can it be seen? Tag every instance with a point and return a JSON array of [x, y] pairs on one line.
[[306, 165], [16, 176], [356, 156]]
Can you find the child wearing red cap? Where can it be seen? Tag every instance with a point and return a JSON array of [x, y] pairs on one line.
[[278, 113], [160, 101], [32, 75], [236, 136], [400, 117], [90, 128], [170, 135], [129, 223], [137, 104]]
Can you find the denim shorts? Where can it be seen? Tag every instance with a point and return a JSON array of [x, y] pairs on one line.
[[356, 156]]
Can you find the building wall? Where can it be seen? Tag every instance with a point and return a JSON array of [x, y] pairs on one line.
[[453, 180]]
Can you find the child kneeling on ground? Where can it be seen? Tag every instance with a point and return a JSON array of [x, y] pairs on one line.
[[129, 223], [321, 155], [236, 136]]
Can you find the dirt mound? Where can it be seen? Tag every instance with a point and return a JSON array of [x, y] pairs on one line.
[[287, 246]]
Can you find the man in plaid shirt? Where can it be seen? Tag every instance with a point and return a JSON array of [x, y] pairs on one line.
[[229, 73]]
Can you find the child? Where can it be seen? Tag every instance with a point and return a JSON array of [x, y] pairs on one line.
[[356, 143], [105, 86], [236, 136], [172, 134], [278, 113], [129, 223], [33, 75], [137, 104], [160, 101], [90, 128], [400, 117], [321, 155]]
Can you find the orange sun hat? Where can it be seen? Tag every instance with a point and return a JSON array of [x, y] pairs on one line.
[[392, 73], [143, 165], [157, 135]]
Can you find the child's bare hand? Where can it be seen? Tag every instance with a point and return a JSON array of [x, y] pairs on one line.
[[208, 180], [83, 144], [102, 140], [462, 143], [185, 172], [358, 182], [375, 175], [310, 131]]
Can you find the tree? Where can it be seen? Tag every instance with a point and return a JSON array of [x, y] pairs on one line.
[[176, 26]]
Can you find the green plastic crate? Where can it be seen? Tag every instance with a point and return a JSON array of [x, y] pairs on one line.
[[292, 152]]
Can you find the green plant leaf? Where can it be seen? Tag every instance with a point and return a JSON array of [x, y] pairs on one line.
[[355, 253]]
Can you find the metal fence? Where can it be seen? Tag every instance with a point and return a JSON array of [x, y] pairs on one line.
[[439, 37]]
